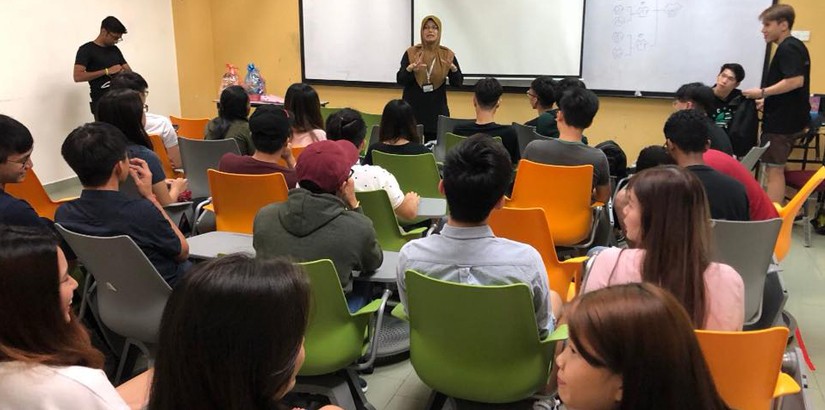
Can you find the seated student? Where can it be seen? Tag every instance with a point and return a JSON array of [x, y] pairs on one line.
[[155, 124], [253, 311], [96, 152], [322, 219], [123, 108], [231, 122], [687, 141], [668, 218], [398, 133], [697, 96], [546, 125], [577, 107], [607, 363], [347, 124], [486, 100], [542, 94], [16, 146], [732, 112], [303, 102], [476, 175], [46, 358], [270, 130], [760, 206]]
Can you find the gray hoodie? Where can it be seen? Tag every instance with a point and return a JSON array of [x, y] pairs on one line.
[[309, 227]]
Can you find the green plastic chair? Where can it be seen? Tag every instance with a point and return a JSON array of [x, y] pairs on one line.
[[371, 120], [451, 140], [327, 111], [477, 343], [417, 173], [376, 206], [335, 342]]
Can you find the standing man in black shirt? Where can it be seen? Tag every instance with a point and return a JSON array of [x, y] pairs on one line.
[[785, 90], [98, 60]]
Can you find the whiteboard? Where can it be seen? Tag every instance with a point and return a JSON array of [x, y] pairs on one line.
[[354, 40], [522, 38], [658, 45]]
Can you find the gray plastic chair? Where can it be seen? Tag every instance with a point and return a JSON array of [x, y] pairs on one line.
[[752, 157], [751, 261], [526, 134], [131, 294], [445, 125], [376, 130], [200, 155]]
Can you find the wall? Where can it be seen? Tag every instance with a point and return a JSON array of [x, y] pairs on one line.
[[275, 47], [40, 39]]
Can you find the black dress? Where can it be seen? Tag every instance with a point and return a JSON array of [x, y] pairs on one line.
[[427, 106]]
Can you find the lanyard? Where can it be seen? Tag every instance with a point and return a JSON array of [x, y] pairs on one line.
[[430, 70]]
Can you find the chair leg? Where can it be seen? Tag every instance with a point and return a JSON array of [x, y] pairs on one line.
[[806, 219], [436, 401], [89, 286], [124, 357]]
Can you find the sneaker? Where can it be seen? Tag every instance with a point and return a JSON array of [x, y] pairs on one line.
[[363, 384]]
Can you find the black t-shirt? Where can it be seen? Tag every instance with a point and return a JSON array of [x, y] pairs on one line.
[[788, 113], [15, 211], [96, 58], [409, 148], [726, 196], [506, 132], [111, 213]]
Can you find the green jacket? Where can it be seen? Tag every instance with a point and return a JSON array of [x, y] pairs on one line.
[[309, 227], [239, 130]]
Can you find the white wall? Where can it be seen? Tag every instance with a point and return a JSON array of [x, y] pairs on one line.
[[38, 43]]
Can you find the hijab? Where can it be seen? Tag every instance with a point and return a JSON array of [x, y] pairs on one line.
[[432, 55]]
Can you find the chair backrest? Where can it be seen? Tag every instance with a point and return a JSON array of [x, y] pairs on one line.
[[192, 128], [445, 125], [371, 120], [376, 205], [417, 173], [745, 365], [238, 197], [478, 343], [752, 157], [451, 140], [750, 261], [529, 225], [789, 211], [163, 156], [32, 191], [200, 155], [526, 134], [131, 294], [565, 194], [334, 338]]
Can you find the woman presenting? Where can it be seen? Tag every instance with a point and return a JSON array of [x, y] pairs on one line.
[[424, 70]]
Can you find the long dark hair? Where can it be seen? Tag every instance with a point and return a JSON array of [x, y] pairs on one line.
[[675, 234], [302, 100], [123, 108], [33, 327], [233, 106], [641, 332], [398, 121], [230, 335]]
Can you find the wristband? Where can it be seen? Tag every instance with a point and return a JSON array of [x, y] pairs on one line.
[[106, 70]]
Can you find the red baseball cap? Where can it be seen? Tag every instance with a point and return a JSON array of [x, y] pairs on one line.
[[327, 164]]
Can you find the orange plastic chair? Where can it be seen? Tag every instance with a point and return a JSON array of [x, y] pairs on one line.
[[746, 366], [32, 191], [192, 128], [565, 194], [163, 156], [296, 152], [789, 211], [236, 198], [529, 225]]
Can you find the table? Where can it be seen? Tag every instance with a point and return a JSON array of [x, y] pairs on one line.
[[432, 207], [212, 244]]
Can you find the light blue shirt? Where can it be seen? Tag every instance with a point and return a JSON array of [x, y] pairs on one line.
[[475, 256]]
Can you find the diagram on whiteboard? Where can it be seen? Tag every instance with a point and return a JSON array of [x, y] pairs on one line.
[[636, 25]]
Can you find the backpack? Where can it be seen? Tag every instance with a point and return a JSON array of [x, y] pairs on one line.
[[616, 158]]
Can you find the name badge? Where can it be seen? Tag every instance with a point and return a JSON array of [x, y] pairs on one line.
[[428, 88]]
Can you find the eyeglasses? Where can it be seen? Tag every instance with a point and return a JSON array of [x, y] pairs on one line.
[[351, 172], [117, 37], [531, 94], [22, 161]]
